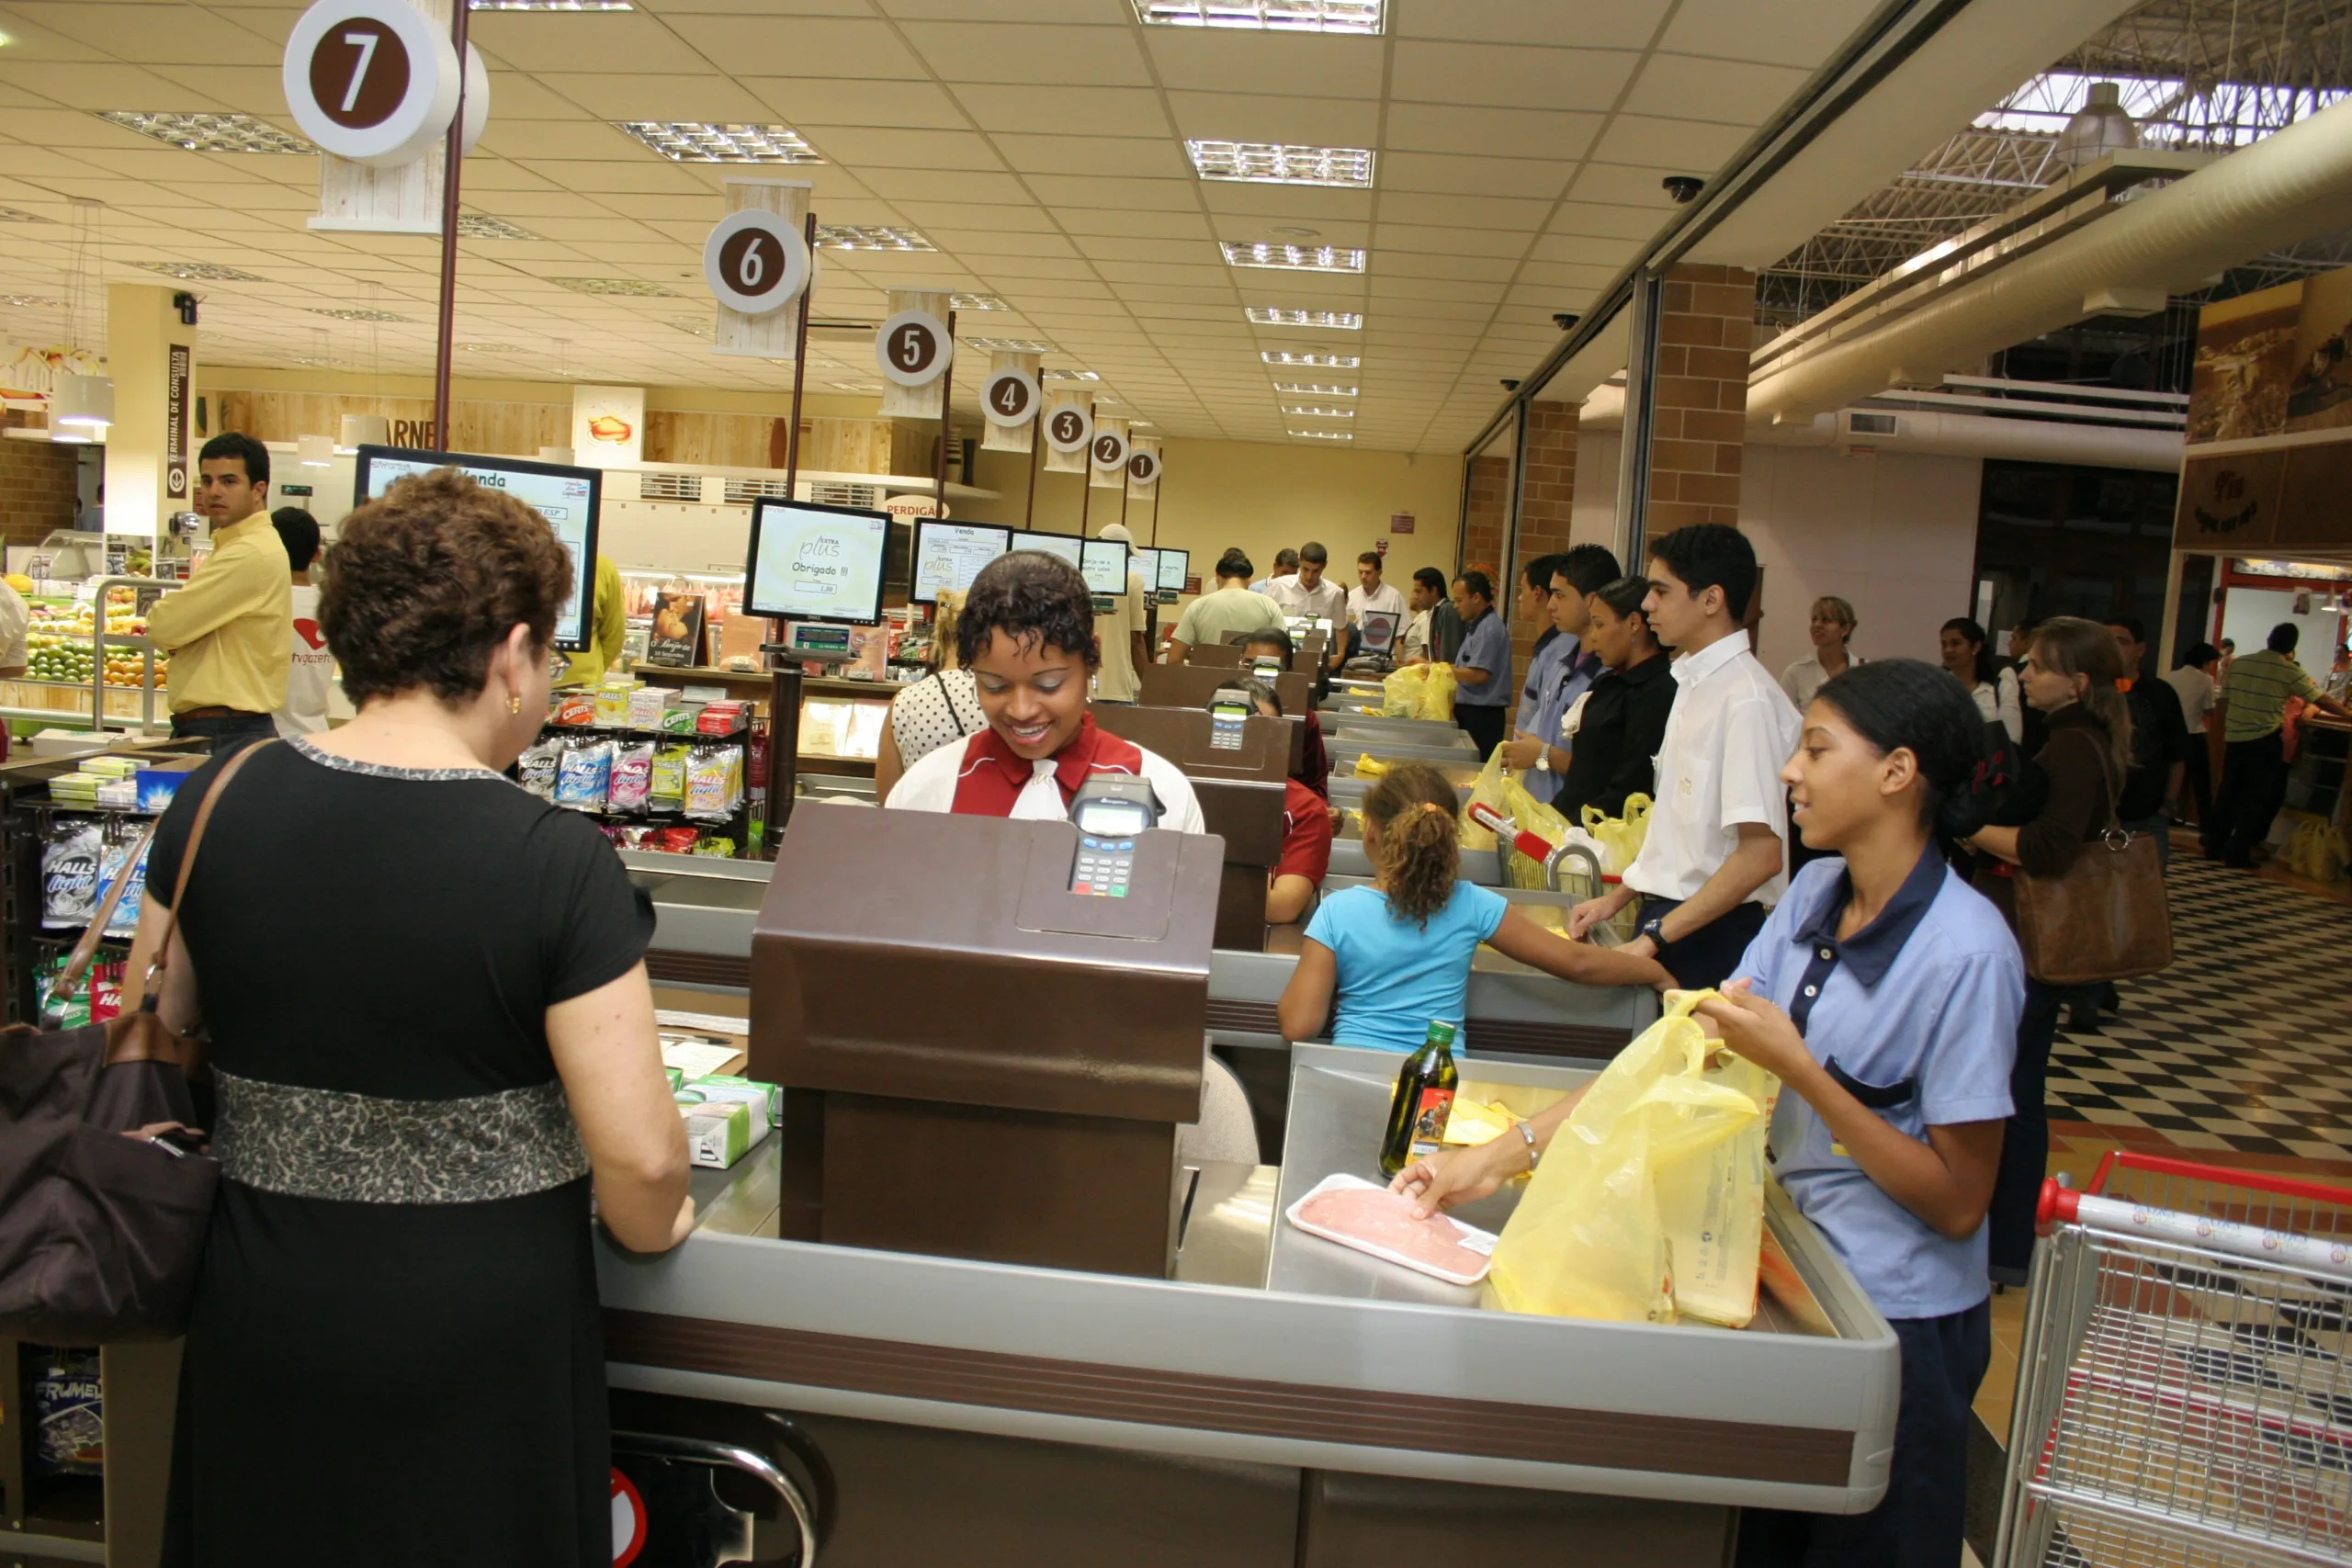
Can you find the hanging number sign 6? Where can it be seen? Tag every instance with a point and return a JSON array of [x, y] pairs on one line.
[[1069, 429], [1110, 451], [1009, 397], [755, 261], [372, 81], [1143, 467], [913, 348]]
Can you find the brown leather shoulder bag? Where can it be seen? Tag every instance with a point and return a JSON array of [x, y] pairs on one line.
[[2107, 918]]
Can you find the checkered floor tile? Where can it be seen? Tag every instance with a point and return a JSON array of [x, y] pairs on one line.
[[2243, 1044]]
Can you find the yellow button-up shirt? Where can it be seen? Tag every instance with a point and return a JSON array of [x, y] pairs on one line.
[[227, 631]]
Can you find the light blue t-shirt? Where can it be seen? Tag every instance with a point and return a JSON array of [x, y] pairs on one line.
[[1915, 1015], [1486, 646], [1396, 976]]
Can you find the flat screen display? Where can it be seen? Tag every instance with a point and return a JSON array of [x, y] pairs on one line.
[[1062, 545], [1175, 566], [1103, 564], [1379, 630], [567, 497], [1144, 562], [949, 554], [816, 563]]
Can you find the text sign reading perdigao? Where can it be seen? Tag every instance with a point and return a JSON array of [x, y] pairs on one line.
[[375, 82], [755, 261]]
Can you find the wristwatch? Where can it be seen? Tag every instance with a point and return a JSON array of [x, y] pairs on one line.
[[1654, 928], [1543, 758]]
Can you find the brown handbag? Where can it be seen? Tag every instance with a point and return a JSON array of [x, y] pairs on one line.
[[103, 1200], [2107, 917]]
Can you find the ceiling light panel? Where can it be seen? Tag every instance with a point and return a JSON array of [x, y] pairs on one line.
[[694, 326], [552, 6], [1311, 410], [1068, 376], [199, 272], [1358, 16], [615, 287], [487, 347], [1319, 361], [1009, 344], [210, 133], [1274, 316], [698, 142], [978, 302], [869, 237], [854, 386], [1325, 434], [482, 226], [1312, 389], [18, 215], [351, 315], [31, 302], [1297, 258], [1278, 163]]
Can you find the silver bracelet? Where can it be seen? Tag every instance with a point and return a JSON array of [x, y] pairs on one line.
[[1535, 1155]]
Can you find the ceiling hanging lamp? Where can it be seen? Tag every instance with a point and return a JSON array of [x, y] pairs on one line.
[[2101, 127]]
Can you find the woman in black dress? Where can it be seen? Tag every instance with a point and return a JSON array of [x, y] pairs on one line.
[[432, 1039]]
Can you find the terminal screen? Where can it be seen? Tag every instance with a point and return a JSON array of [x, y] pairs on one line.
[[949, 554], [1103, 563], [816, 563], [1063, 545]]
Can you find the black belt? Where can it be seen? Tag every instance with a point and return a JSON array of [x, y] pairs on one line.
[[216, 711]]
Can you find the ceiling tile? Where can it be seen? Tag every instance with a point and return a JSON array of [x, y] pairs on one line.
[[1587, 24], [1277, 65], [1624, 187], [1457, 174], [919, 184], [581, 40], [104, 86], [1133, 222], [1415, 237], [1681, 87], [1458, 127], [606, 95], [929, 216], [1244, 116], [1069, 110], [842, 101], [1786, 35], [981, 248], [1606, 222], [1045, 55], [1286, 204], [555, 139], [1694, 145], [1125, 156], [1487, 75], [1105, 191], [1598, 250], [1469, 211], [869, 147]]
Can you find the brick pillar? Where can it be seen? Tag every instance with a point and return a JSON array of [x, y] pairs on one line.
[[1487, 511], [1547, 493], [36, 486], [1706, 327]]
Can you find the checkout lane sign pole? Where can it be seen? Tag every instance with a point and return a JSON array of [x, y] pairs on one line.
[[1036, 455], [1086, 506]]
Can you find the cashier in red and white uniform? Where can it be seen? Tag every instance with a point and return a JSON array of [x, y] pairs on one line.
[[1027, 636]]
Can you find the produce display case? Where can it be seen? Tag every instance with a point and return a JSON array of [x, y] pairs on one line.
[[84, 673]]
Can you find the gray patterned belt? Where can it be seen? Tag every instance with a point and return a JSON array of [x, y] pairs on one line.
[[357, 1148]]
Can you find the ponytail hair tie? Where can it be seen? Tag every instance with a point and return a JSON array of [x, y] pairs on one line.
[[1432, 805]]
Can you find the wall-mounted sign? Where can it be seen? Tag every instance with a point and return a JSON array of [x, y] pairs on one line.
[[913, 348], [608, 426], [904, 508], [1009, 397], [1400, 522], [1070, 428], [375, 82], [755, 260], [177, 375]]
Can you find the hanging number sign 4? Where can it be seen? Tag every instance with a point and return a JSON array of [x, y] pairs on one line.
[[1009, 397], [1143, 467], [755, 261], [1110, 451], [1069, 429], [913, 348], [371, 81]]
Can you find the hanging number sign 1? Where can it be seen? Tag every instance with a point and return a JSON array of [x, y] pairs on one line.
[[374, 82], [913, 348], [1143, 467], [1110, 451], [1069, 429], [755, 261], [1009, 397]]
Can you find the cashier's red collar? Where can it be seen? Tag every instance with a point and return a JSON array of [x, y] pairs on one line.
[[993, 774]]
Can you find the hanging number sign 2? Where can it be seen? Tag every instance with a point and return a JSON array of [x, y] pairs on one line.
[[1009, 397], [1110, 451], [371, 81], [1069, 429], [1143, 467], [755, 261], [913, 348]]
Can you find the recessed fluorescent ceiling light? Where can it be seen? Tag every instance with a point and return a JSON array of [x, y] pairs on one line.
[[323, 361], [854, 386], [1068, 376], [1312, 389], [875, 237], [487, 347], [1302, 258], [1321, 361], [1274, 316], [1274, 163], [16, 215], [349, 315], [625, 287], [694, 324], [697, 142], [31, 302], [1309, 411], [210, 133], [482, 226], [552, 6], [1009, 344], [1267, 16], [1325, 434], [199, 272], [978, 302]]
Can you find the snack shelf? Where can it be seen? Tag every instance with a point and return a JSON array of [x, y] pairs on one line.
[[736, 826]]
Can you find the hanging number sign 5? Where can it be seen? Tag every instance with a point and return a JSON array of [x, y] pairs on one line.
[[1069, 429], [1143, 467], [755, 261], [1009, 397], [371, 81], [1110, 451], [913, 348]]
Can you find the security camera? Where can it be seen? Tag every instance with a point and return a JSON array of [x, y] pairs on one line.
[[1566, 319], [1511, 383], [186, 305], [1683, 189]]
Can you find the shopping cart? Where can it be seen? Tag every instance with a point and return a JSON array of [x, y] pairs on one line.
[[2183, 1398]]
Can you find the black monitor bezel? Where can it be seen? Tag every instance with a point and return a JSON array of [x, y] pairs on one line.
[[760, 508]]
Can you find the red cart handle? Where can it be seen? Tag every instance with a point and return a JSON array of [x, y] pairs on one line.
[[1534, 846]]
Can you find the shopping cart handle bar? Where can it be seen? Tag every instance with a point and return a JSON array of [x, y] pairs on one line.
[[1534, 846], [2058, 1206], [2164, 1164]]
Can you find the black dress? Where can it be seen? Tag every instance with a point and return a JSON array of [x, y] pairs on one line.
[[396, 1356]]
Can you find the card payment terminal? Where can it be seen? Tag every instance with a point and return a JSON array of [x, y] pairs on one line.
[[1111, 812]]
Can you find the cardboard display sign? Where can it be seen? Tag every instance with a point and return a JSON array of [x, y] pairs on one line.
[[677, 640], [1069, 428]]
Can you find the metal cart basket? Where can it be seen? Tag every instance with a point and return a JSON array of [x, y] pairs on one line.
[[2183, 1398]]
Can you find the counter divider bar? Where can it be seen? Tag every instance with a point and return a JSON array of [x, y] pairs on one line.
[[1250, 1407]]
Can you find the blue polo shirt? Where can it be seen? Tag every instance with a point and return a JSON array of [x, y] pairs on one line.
[[1542, 665], [1567, 680], [1486, 646], [1916, 1016]]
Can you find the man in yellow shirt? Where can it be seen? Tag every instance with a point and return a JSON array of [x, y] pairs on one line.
[[608, 628], [228, 630]]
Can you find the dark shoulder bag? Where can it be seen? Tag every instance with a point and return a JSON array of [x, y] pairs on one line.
[[103, 1199], [2107, 918]]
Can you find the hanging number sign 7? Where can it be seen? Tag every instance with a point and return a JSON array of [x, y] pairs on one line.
[[1069, 429], [1143, 467], [1009, 397], [374, 82], [1110, 451], [913, 348], [755, 262]]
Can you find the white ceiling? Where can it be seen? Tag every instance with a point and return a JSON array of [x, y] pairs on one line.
[[1038, 143]]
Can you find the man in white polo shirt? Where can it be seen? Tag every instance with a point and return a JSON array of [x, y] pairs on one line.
[[1715, 857]]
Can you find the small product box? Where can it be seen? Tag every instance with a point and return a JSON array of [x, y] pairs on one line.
[[116, 792], [645, 705], [720, 718], [111, 767], [720, 1133], [767, 1100], [680, 718], [613, 700], [158, 784], [677, 1078]]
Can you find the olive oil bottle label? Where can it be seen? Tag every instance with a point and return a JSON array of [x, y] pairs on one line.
[[1429, 1116]]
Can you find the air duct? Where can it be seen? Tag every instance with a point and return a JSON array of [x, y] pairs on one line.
[[2282, 189]]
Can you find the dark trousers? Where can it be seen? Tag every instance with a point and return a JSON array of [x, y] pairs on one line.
[[1921, 1521], [2025, 1142], [1485, 725], [2197, 772], [231, 732], [2253, 786], [1709, 956]]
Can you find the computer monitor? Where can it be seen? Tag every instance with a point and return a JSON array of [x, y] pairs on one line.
[[1144, 562], [1175, 567], [947, 555], [568, 498], [1379, 630], [1103, 564], [815, 563], [1063, 545]]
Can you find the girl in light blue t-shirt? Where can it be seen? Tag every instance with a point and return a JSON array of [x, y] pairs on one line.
[[1397, 954]]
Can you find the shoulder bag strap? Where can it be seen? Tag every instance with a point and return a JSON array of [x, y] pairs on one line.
[[154, 982], [77, 963]]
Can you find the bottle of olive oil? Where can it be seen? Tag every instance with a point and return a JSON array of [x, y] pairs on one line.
[[1424, 1099]]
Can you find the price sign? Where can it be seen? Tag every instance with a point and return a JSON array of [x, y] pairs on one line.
[[755, 261], [372, 81], [1069, 429], [1110, 451], [1143, 468], [1009, 397], [913, 348]]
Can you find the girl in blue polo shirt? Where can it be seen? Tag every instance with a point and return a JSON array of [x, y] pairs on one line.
[[1884, 992]]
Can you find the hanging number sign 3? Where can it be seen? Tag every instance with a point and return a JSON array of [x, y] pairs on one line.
[[1009, 397], [1143, 467], [755, 261], [1110, 451], [913, 348], [371, 81], [1069, 429]]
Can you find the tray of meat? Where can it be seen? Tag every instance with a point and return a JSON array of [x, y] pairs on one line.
[[1368, 1217]]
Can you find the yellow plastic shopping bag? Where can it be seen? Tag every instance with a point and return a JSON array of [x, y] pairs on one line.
[[1486, 791], [1620, 837], [1642, 1185], [1536, 816], [1400, 691], [1437, 694]]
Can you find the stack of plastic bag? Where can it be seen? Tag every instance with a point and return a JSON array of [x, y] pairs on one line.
[[1619, 839], [2317, 851], [1649, 1203], [1437, 694]]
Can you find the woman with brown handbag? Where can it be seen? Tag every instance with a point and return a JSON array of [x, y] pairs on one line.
[[2071, 675]]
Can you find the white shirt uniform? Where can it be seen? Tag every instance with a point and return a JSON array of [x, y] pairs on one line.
[[929, 786], [1732, 732], [1327, 598], [1383, 598], [312, 676], [16, 621], [1416, 635]]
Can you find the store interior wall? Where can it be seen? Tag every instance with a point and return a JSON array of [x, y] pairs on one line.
[[2248, 613], [39, 489]]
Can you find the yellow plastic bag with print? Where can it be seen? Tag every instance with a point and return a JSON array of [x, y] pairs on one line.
[[1400, 691], [1642, 1185], [1620, 837], [1536, 816], [1487, 790], [1437, 694]]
